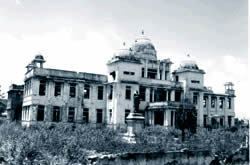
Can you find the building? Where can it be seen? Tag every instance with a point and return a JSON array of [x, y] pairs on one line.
[[15, 102], [3, 104], [60, 95]]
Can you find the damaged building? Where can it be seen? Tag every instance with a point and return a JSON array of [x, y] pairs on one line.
[[53, 95]]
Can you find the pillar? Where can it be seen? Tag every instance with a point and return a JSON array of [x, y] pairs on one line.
[[225, 112], [167, 95], [209, 110], [80, 102], [163, 71], [158, 70], [153, 95], [147, 95], [217, 105], [153, 117], [146, 69], [200, 114], [172, 95]]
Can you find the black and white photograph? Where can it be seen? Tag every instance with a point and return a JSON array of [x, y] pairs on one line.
[[124, 82]]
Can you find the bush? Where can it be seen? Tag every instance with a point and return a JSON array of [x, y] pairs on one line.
[[65, 143]]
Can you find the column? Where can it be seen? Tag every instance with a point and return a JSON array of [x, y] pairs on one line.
[[150, 117], [200, 115], [225, 112], [172, 95], [22, 114], [163, 71], [153, 117], [80, 102], [147, 95], [232, 121], [34, 113], [153, 95], [158, 70], [173, 119], [146, 69], [167, 95], [217, 105], [209, 110]]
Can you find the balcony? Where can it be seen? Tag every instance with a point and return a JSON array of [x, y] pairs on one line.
[[160, 82], [165, 104]]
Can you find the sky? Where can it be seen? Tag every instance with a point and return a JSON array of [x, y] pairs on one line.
[[82, 35]]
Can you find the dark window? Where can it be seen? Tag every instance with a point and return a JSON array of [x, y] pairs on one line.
[[56, 114], [178, 96], [128, 93], [110, 115], [221, 122], [72, 90], [151, 95], [100, 93], [58, 88], [195, 99], [160, 74], [85, 116], [229, 120], [166, 75], [86, 91], [205, 120], [113, 75], [142, 72], [221, 103], [152, 73], [127, 111], [125, 72], [195, 81], [142, 92], [160, 95], [158, 117], [98, 115], [172, 118], [71, 114], [229, 103], [129, 73], [213, 99], [169, 95], [42, 88], [111, 93], [176, 78], [40, 113]]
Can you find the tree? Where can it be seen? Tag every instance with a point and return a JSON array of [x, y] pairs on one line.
[[186, 117]]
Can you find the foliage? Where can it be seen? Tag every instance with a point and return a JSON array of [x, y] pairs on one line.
[[65, 143]]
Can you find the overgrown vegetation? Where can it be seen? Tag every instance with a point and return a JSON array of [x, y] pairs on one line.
[[68, 143]]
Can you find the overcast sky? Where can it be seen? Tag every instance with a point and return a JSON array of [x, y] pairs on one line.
[[81, 35]]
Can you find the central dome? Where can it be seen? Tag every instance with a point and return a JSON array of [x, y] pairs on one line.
[[143, 48]]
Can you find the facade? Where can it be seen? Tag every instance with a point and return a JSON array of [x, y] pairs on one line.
[[15, 102], [58, 95]]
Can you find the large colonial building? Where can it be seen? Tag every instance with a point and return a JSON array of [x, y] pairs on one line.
[[59, 95]]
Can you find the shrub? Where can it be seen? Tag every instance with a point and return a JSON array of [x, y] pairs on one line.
[[65, 143]]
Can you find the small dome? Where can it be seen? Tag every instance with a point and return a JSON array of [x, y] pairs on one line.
[[143, 48], [39, 57], [189, 63], [124, 51]]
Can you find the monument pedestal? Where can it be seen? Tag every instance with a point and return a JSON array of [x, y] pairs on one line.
[[135, 123]]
